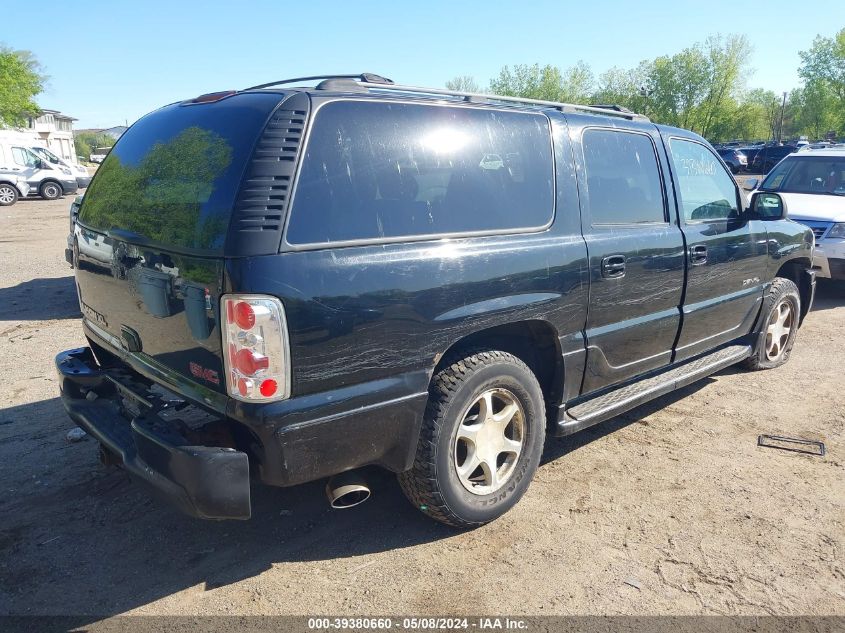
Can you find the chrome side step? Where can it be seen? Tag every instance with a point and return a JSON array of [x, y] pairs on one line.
[[625, 398]]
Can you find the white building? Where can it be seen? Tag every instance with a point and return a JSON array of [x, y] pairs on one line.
[[55, 131]]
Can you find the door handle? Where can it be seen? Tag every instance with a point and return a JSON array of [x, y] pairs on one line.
[[613, 266], [698, 254]]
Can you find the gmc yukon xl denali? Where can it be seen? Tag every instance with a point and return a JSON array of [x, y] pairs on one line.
[[283, 284]]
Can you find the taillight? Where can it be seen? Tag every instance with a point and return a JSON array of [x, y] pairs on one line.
[[257, 357]]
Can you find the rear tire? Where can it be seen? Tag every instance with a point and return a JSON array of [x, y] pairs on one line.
[[778, 326], [50, 190], [480, 442], [8, 195]]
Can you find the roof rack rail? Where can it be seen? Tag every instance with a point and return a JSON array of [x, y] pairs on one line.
[[477, 96], [368, 78], [612, 106]]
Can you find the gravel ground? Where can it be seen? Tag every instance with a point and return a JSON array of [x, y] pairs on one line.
[[670, 509]]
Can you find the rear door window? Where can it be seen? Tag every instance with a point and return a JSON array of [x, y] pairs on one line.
[[623, 180], [707, 191], [377, 170]]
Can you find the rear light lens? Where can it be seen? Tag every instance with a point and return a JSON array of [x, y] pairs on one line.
[[257, 356]]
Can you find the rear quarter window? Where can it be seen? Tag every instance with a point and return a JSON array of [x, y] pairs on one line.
[[376, 170]]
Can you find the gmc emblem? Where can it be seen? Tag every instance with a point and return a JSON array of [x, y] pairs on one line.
[[208, 375]]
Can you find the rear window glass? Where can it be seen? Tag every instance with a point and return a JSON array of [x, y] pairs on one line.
[[172, 178], [384, 170]]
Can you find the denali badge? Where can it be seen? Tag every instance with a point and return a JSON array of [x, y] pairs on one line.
[[208, 375], [93, 315]]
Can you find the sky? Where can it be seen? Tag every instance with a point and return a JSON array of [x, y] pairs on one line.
[[110, 62]]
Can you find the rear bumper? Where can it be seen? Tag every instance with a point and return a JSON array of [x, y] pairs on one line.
[[209, 482], [283, 443]]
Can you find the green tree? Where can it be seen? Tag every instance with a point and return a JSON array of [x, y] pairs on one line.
[[463, 83], [629, 88], [727, 65], [823, 71], [547, 83], [87, 141], [813, 110], [21, 81], [764, 108]]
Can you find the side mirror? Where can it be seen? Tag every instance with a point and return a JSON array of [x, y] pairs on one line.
[[768, 206], [751, 185]]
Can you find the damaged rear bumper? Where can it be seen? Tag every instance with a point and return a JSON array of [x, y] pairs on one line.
[[209, 482]]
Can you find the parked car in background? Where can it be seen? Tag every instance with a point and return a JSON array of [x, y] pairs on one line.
[[98, 154], [83, 178], [423, 281], [819, 145], [734, 159], [750, 151], [46, 179], [12, 187], [812, 184], [768, 157]]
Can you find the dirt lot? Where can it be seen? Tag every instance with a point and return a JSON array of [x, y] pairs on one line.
[[671, 509]]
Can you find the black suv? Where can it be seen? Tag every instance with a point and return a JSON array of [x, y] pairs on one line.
[[734, 159], [284, 284], [769, 156]]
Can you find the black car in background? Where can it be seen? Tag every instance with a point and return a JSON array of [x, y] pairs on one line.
[[734, 159], [768, 157]]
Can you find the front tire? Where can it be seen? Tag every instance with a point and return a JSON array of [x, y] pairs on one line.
[[8, 195], [480, 442], [778, 326], [50, 190]]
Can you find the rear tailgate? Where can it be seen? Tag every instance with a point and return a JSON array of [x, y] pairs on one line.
[[151, 234]]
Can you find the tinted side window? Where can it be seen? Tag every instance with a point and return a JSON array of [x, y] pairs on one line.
[[623, 181], [707, 191], [383, 170]]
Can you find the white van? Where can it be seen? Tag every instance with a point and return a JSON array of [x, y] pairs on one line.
[[49, 180], [83, 178]]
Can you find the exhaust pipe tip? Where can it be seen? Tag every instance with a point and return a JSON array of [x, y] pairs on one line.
[[347, 490]]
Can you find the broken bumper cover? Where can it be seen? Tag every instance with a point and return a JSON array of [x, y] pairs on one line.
[[208, 482]]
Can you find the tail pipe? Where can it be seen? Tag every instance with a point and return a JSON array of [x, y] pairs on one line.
[[347, 490]]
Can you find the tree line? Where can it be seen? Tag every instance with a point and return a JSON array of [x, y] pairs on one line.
[[701, 88]]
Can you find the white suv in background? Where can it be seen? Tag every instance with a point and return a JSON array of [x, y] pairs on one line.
[[812, 183]]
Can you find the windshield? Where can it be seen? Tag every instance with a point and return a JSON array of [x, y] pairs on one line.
[[808, 174], [46, 153]]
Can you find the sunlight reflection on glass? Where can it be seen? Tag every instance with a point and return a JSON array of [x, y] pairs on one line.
[[445, 140]]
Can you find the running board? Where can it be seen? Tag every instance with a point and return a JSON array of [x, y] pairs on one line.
[[625, 398]]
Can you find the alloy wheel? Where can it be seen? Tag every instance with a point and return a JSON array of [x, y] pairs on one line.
[[7, 196], [489, 441], [780, 326]]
